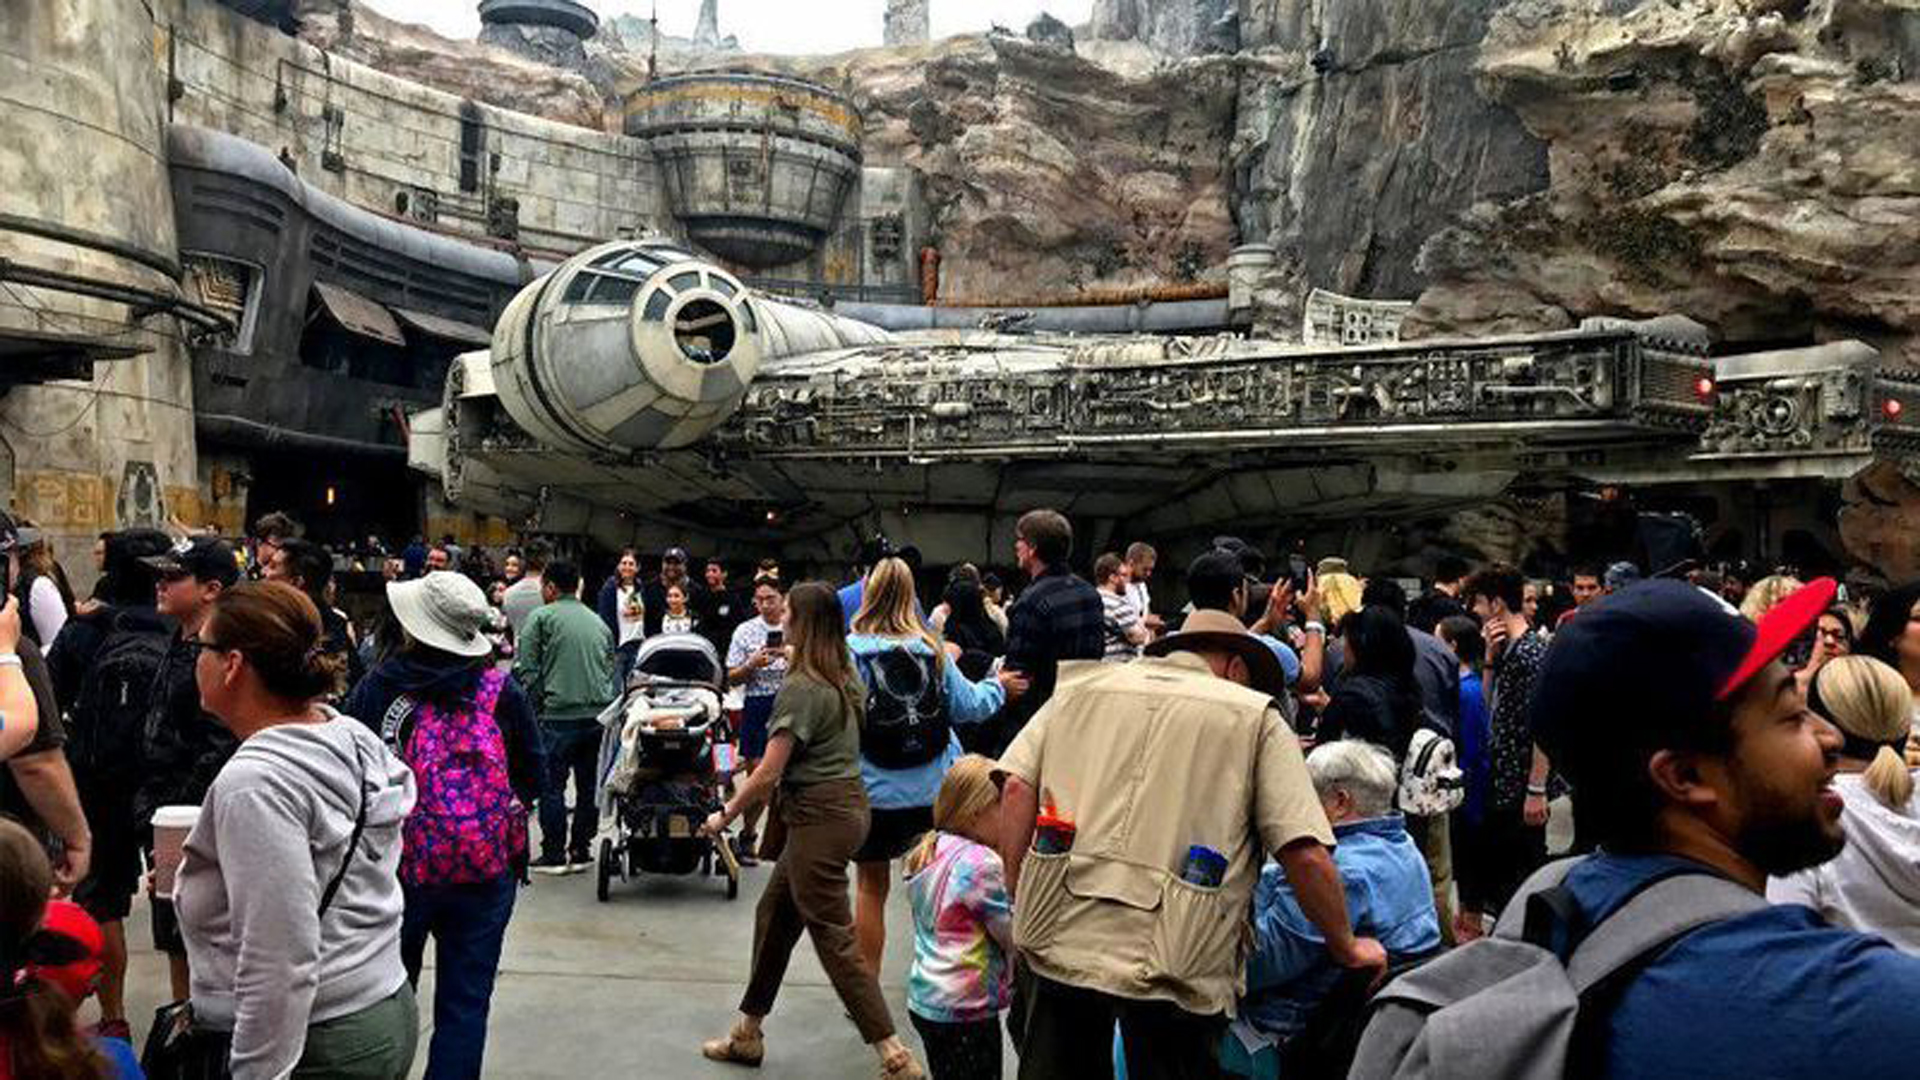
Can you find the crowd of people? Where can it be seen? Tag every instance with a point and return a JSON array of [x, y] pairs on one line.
[[1135, 840]]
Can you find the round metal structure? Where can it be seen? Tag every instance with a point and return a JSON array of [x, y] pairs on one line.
[[756, 166], [638, 345], [577, 19]]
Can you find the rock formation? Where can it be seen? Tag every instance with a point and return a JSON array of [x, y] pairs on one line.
[[1047, 30], [1514, 164], [1049, 174], [1176, 28], [706, 31], [488, 73], [1360, 134], [906, 23], [1748, 163]]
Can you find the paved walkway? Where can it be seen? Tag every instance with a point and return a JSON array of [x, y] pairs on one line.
[[631, 987]]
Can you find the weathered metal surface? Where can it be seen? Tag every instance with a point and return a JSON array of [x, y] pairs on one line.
[[444, 329], [577, 19], [1332, 319], [755, 166], [358, 314]]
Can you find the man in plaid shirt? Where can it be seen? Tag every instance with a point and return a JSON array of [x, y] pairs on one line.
[[1058, 617]]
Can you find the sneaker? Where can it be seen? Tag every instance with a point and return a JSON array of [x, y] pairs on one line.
[[552, 865], [743, 846], [579, 864]]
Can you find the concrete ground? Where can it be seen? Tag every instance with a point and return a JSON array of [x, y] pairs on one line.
[[631, 987]]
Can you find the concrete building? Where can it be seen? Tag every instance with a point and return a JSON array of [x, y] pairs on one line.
[[96, 422], [229, 255]]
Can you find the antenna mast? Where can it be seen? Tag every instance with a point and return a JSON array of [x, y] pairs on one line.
[[653, 52]]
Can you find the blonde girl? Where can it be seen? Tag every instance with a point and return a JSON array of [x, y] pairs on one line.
[[1874, 883], [962, 927]]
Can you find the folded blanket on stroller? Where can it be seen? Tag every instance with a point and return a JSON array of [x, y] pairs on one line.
[[662, 708]]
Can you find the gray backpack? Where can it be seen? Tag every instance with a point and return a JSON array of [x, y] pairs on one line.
[[1506, 1008]]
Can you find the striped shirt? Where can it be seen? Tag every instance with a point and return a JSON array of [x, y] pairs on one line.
[[1120, 617]]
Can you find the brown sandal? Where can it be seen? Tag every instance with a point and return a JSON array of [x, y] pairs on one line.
[[904, 1067], [737, 1048]]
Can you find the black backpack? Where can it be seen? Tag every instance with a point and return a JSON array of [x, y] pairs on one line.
[[106, 728], [906, 721]]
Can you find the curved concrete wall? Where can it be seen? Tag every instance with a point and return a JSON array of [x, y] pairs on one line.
[[84, 191]]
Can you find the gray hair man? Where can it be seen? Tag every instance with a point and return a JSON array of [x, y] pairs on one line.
[[1355, 780], [1389, 898]]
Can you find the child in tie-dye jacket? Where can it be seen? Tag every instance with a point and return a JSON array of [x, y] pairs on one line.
[[962, 927]]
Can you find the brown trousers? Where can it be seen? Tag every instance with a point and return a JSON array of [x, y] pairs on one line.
[[808, 892]]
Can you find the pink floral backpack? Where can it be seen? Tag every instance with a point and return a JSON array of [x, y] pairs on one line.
[[467, 825]]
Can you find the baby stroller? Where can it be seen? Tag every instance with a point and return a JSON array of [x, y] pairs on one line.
[[656, 758]]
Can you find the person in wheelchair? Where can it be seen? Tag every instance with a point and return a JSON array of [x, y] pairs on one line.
[[1389, 897]]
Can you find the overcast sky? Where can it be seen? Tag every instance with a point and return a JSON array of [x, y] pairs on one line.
[[776, 26]]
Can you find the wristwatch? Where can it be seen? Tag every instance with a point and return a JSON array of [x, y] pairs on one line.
[[1314, 626]]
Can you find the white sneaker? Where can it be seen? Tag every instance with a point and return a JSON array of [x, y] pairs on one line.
[[551, 869]]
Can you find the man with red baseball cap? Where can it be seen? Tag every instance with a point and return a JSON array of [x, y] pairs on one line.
[[1692, 749]]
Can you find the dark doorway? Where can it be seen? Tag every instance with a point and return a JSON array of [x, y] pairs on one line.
[[340, 498]]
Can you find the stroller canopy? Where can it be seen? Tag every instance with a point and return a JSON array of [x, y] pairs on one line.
[[681, 657]]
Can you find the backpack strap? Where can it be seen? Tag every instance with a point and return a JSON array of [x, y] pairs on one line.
[[1512, 921], [1661, 913], [353, 841]]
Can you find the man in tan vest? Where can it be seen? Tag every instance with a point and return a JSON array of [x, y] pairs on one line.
[[1163, 784]]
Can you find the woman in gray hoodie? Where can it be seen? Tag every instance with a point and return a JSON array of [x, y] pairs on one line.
[[288, 893], [1873, 885]]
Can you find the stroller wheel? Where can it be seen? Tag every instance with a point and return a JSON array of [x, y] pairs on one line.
[[604, 866], [733, 887]]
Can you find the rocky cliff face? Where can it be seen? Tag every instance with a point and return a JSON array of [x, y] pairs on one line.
[[1360, 134], [1515, 164], [1048, 173], [1750, 164], [1177, 28]]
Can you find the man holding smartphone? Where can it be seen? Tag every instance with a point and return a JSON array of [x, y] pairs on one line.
[[757, 659]]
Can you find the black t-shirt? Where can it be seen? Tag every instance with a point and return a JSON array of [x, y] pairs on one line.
[[51, 736], [716, 612]]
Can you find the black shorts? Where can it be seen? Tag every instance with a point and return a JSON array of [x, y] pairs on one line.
[[113, 872], [891, 833]]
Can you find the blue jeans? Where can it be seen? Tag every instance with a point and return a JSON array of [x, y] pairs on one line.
[[573, 749], [467, 923]]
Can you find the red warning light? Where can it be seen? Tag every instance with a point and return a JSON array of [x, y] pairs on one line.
[[1892, 408], [1703, 386]]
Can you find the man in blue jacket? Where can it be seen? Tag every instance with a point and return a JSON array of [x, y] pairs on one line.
[[1389, 897]]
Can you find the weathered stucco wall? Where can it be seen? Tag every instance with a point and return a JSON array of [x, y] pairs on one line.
[[83, 104], [368, 137]]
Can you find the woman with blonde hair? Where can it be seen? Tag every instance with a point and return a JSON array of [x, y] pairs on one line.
[[1874, 883], [819, 817], [962, 927], [916, 696], [1767, 592]]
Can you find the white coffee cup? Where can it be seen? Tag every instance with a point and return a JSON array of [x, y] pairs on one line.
[[171, 824]]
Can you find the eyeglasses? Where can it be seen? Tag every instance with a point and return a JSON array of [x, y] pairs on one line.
[[1833, 633], [200, 645]]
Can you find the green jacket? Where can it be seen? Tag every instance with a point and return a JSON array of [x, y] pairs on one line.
[[563, 658]]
